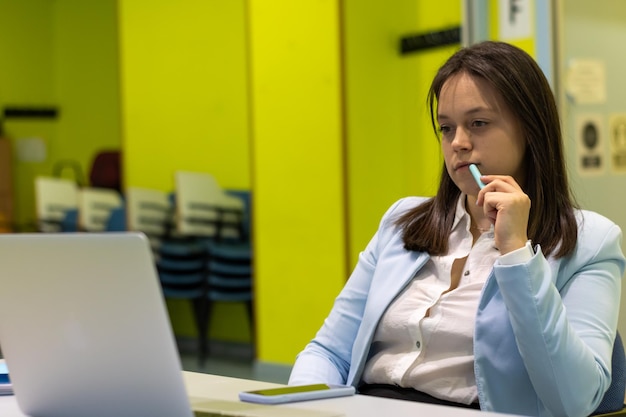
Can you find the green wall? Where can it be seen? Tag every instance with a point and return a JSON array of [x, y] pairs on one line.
[[308, 104], [185, 91], [326, 124], [392, 151], [185, 107], [87, 78], [298, 170], [60, 53], [27, 78]]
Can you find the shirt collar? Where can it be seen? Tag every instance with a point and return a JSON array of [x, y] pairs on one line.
[[462, 218], [461, 214]]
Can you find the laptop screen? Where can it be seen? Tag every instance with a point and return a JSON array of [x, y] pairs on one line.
[[84, 328]]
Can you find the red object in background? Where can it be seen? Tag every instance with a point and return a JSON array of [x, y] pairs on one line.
[[106, 170], [6, 185]]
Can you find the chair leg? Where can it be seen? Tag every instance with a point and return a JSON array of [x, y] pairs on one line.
[[200, 309], [208, 311], [250, 308]]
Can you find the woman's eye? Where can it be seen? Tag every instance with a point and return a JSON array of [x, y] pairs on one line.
[[444, 129], [479, 123]]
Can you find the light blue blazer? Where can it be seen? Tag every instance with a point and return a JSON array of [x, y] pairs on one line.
[[544, 329]]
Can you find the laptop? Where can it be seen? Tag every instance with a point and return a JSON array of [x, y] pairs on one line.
[[85, 332], [84, 329]]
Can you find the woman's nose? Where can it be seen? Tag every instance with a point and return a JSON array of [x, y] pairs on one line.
[[461, 141]]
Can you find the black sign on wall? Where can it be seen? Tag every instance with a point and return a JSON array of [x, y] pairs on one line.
[[30, 112], [420, 42]]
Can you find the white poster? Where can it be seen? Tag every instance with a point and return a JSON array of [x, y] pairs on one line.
[[516, 19], [585, 81], [617, 136], [31, 149], [590, 143]]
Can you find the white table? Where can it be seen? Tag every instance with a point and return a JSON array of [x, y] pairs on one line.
[[207, 391]]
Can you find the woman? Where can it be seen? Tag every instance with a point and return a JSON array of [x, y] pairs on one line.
[[504, 298]]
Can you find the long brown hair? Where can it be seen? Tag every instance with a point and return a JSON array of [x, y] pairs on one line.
[[525, 90]]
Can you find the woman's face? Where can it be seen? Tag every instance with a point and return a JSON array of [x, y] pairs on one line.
[[478, 128]]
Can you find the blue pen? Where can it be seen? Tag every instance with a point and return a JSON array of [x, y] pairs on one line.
[[476, 174]]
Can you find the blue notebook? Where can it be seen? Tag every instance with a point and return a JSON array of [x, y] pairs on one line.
[[5, 382]]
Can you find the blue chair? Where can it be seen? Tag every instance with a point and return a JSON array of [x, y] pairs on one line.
[[180, 261], [219, 220], [181, 268], [69, 223], [613, 402], [229, 272], [229, 278], [117, 220], [182, 272]]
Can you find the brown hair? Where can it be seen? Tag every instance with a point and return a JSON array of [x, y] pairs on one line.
[[526, 92]]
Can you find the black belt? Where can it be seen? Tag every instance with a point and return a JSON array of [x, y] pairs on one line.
[[409, 394]]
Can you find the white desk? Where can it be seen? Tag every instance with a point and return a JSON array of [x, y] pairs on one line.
[[206, 388]]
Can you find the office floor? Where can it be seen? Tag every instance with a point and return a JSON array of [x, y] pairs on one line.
[[231, 360], [238, 368]]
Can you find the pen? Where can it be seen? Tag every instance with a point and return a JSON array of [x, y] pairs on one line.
[[476, 174]]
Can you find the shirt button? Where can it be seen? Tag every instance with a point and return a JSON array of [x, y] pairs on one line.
[[418, 344], [466, 273]]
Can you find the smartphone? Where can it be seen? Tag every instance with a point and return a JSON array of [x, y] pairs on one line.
[[296, 393]]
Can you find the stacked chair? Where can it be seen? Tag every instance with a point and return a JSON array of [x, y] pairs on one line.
[[200, 235], [95, 209], [216, 222], [200, 240], [56, 204], [180, 260], [150, 211], [62, 206]]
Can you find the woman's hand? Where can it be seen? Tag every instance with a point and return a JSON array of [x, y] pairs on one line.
[[507, 207]]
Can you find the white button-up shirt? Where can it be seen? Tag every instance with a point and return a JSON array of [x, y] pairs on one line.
[[425, 338]]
